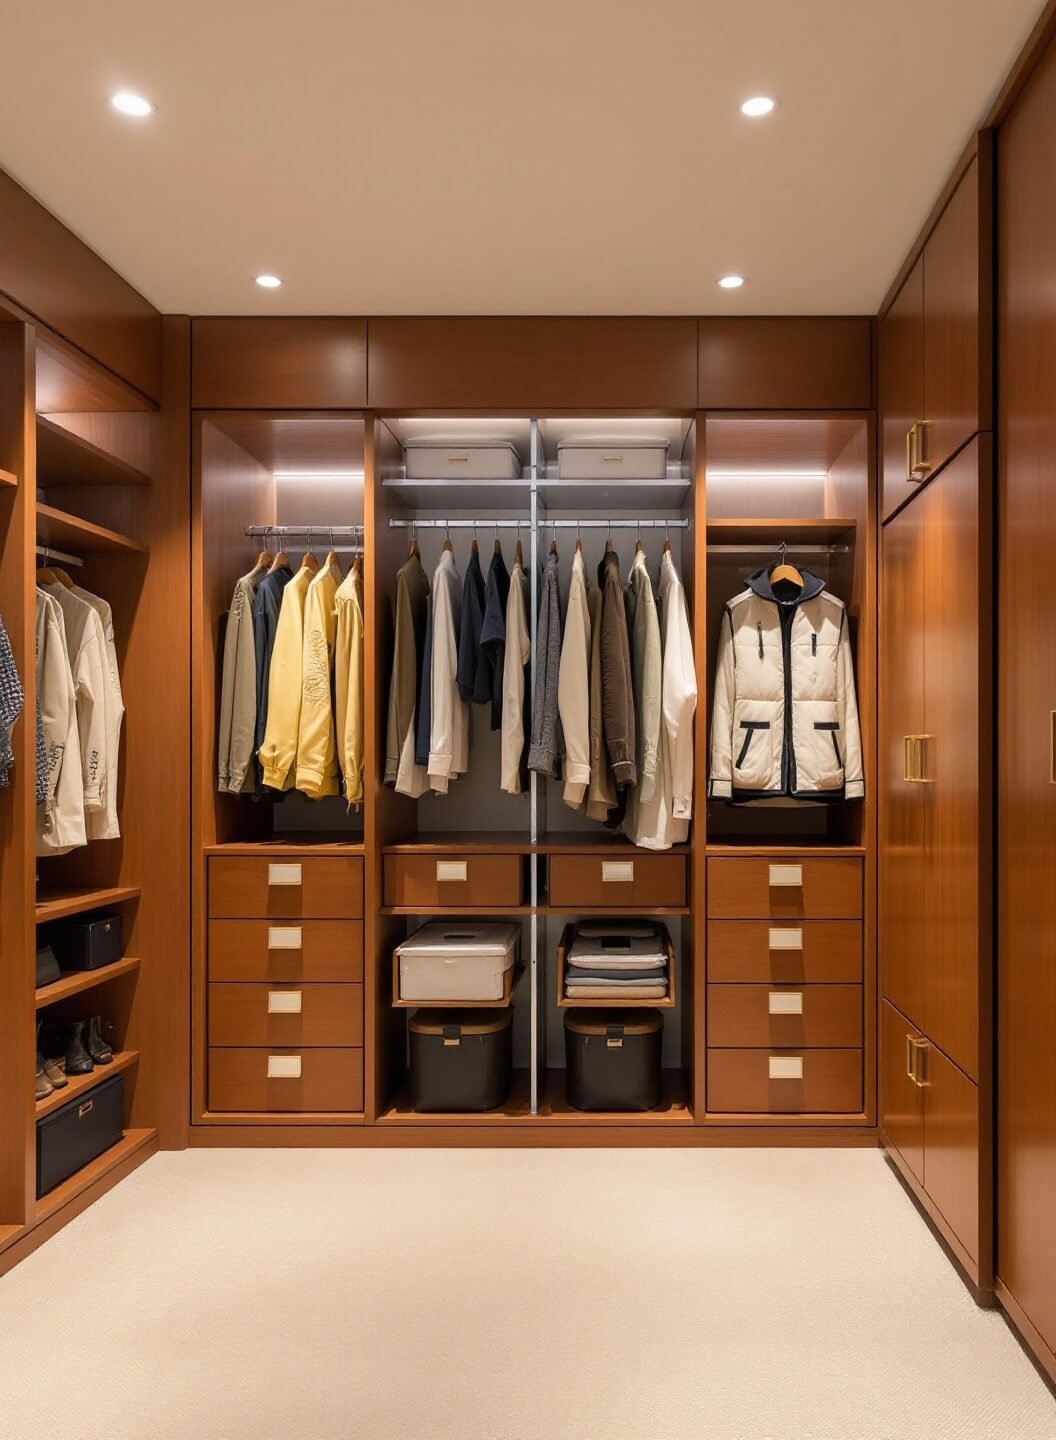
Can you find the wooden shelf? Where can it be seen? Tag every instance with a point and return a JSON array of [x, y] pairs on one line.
[[74, 982], [462, 912], [673, 1107], [517, 1110], [132, 1142], [772, 531], [64, 458], [70, 532], [319, 844], [78, 1084], [779, 849], [512, 980], [472, 842], [615, 912], [6, 478], [57, 904]]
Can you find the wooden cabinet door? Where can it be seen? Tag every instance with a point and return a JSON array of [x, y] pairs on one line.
[[901, 875], [952, 312], [953, 585], [901, 1099], [901, 385], [951, 1146]]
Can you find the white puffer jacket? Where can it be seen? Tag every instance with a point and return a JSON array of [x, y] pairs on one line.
[[785, 718]]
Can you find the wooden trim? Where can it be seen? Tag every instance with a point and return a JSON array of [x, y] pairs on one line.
[[1023, 66], [58, 904], [1026, 1333], [538, 1135]]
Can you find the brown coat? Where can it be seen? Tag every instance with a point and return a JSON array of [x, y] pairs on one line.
[[617, 687]]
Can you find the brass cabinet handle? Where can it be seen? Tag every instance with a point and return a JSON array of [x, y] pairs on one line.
[[916, 759], [917, 1060], [910, 448], [921, 468], [909, 1058]]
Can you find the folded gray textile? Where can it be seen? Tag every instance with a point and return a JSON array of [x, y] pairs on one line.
[[613, 980], [632, 952], [651, 975]]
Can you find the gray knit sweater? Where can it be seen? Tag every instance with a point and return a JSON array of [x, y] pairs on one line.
[[547, 745]]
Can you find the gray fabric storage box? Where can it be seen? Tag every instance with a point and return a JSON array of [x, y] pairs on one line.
[[595, 460], [466, 460], [457, 960]]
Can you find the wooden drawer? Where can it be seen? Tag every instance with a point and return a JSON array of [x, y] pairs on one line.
[[815, 1082], [317, 1080], [784, 1017], [818, 952], [798, 887], [453, 881], [623, 881], [310, 1015], [309, 950], [248, 887]]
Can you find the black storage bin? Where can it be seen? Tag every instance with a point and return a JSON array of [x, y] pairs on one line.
[[87, 943], [72, 1136], [47, 966], [461, 1059], [613, 1059]]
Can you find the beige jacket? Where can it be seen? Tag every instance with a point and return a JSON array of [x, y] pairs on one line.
[[645, 669], [60, 820], [316, 751], [518, 653], [449, 720], [86, 651], [278, 753], [104, 824], [238, 691], [573, 686], [348, 684]]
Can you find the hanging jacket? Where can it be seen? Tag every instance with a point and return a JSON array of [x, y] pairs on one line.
[[103, 824], [40, 756], [267, 606], [573, 686], [516, 655], [238, 690], [618, 719], [60, 820], [785, 717], [348, 684], [278, 754], [412, 586], [11, 702], [424, 709], [316, 773], [473, 677], [645, 670], [601, 797], [86, 651], [546, 747], [493, 632], [449, 724]]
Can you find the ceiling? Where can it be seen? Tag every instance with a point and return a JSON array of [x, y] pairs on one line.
[[500, 156]]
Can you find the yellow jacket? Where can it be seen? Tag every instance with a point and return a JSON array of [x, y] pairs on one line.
[[316, 752], [348, 685], [279, 750]]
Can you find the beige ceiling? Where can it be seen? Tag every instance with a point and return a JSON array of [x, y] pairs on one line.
[[499, 156]]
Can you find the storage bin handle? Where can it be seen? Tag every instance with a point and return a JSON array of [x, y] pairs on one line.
[[614, 1037], [452, 871], [786, 875], [619, 872], [284, 1067], [284, 874], [452, 1035]]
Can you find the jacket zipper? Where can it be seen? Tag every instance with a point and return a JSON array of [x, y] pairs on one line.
[[759, 627], [814, 643], [788, 756]]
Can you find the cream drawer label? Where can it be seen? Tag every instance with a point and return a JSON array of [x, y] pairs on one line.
[[284, 937], [786, 1067], [284, 874], [284, 1067], [786, 939], [288, 1002], [782, 875], [452, 870], [619, 872], [786, 1002]]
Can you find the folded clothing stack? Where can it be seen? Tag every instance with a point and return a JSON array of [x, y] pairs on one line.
[[617, 961]]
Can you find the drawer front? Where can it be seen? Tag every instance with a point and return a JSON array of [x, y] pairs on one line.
[[785, 1082], [784, 1016], [258, 1081], [248, 887], [310, 1015], [614, 882], [310, 950], [438, 882], [797, 888], [818, 952]]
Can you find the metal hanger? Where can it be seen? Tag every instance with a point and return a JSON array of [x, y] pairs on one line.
[[412, 548], [281, 558], [447, 537], [518, 554]]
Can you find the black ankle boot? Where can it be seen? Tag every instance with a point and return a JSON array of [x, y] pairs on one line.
[[96, 1046], [78, 1060]]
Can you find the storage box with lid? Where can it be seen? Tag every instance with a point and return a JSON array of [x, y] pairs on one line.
[[637, 459], [79, 1131], [461, 1060], [458, 961], [462, 460], [613, 1061]]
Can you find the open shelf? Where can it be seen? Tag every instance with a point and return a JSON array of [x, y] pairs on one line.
[[773, 531], [464, 912], [624, 493], [64, 458], [130, 1144], [6, 478], [487, 497], [471, 842], [57, 904], [516, 1109], [673, 1107], [511, 981], [74, 982], [78, 1084], [70, 532], [770, 847], [322, 843]]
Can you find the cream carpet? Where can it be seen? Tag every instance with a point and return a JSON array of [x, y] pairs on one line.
[[506, 1295]]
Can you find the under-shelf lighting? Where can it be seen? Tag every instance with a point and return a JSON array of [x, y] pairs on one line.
[[130, 104], [317, 474], [766, 474]]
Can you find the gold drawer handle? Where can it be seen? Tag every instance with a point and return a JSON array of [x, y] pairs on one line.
[[284, 1067], [284, 1002], [786, 1067], [284, 874]]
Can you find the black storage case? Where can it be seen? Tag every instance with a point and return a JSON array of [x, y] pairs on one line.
[[87, 943], [72, 1136], [613, 1059], [461, 1059]]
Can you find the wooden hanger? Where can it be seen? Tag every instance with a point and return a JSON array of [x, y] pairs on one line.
[[518, 553], [498, 546], [281, 559], [784, 571], [579, 546], [553, 545]]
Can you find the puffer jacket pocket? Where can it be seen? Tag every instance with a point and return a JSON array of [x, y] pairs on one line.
[[828, 754], [751, 768]]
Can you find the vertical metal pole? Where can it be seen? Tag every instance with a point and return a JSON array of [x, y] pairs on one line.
[[533, 779]]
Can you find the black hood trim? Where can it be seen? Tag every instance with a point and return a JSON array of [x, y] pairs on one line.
[[759, 584]]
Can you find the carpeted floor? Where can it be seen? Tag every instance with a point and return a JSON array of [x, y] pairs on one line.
[[557, 1295]]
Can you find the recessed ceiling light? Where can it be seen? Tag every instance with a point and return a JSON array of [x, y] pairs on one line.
[[757, 105], [130, 104], [268, 282], [731, 282]]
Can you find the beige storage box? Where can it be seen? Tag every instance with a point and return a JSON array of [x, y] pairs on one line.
[[458, 961], [466, 460], [594, 460]]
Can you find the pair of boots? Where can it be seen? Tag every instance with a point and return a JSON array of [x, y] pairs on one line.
[[65, 1050]]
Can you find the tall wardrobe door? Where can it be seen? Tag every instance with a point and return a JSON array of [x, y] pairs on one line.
[[952, 585], [1026, 1121], [902, 1099], [901, 384], [902, 905]]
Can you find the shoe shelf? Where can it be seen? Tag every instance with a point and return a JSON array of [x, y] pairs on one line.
[[70, 532], [673, 1108], [6, 478], [73, 982], [58, 904], [78, 1084], [132, 1149], [517, 1108], [64, 458]]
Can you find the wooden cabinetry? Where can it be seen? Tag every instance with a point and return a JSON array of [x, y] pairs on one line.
[[935, 372]]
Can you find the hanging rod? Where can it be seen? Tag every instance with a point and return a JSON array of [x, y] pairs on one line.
[[299, 532], [778, 549], [508, 524], [49, 554]]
